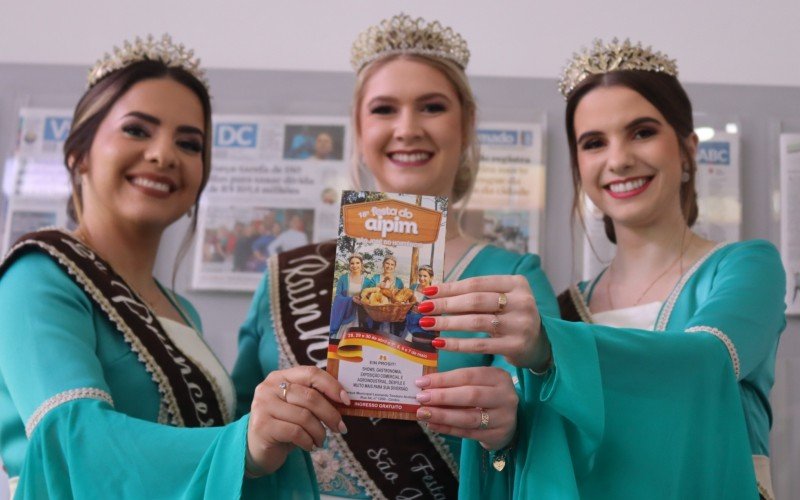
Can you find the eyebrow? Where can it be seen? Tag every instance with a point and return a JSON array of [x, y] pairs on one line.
[[635, 123], [422, 98], [186, 129]]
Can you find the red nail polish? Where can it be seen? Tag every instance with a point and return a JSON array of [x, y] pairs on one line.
[[437, 343], [425, 307], [430, 291], [427, 322]]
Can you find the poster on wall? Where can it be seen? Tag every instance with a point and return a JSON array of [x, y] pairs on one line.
[[35, 180], [275, 186], [790, 218], [507, 203], [718, 200]]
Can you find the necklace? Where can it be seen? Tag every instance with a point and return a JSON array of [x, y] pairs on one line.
[[656, 280]]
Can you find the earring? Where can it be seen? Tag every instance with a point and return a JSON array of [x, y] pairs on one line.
[[685, 174]]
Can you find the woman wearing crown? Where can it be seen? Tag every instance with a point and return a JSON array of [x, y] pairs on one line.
[[414, 118], [660, 388], [106, 386]]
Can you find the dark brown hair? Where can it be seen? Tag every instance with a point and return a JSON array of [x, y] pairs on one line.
[[95, 105], [668, 96]]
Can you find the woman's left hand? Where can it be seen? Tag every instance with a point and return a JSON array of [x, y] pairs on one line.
[[502, 306], [477, 403]]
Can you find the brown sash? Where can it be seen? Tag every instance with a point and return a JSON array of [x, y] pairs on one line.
[[567, 307], [188, 397], [392, 458]]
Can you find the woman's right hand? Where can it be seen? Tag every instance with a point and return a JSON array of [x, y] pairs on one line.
[[290, 409]]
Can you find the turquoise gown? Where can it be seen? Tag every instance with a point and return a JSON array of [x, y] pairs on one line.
[[673, 413], [62, 362], [258, 349]]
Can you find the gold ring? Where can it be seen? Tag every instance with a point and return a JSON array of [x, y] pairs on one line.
[[495, 324], [484, 420], [502, 302], [284, 387]]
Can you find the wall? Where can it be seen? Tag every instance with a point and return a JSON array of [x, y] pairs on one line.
[[716, 41]]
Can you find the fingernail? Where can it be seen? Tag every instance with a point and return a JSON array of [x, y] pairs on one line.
[[423, 414], [422, 382], [314, 448], [425, 307], [342, 427], [430, 291], [427, 322], [423, 397], [344, 397], [437, 343]]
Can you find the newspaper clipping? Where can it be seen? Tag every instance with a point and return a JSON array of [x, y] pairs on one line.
[[507, 203], [790, 218], [35, 181], [275, 186]]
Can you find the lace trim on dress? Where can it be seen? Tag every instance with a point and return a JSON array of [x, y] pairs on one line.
[[669, 304], [725, 340], [61, 398]]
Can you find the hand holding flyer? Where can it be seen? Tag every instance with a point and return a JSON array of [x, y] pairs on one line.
[[390, 247]]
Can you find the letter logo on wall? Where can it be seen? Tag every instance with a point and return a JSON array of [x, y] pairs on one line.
[[236, 135], [714, 153], [499, 137], [56, 128]]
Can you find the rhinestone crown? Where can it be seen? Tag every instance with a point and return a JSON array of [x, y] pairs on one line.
[[615, 56], [149, 49], [401, 34]]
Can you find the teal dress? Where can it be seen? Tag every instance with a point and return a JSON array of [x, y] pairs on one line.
[[673, 413], [92, 411], [259, 354]]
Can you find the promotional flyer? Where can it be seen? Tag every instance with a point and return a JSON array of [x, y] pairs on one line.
[[390, 248]]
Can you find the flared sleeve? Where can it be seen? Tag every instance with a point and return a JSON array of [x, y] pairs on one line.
[[478, 479], [632, 413], [82, 443]]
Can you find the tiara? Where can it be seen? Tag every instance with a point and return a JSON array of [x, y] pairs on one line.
[[403, 35], [149, 49], [615, 56]]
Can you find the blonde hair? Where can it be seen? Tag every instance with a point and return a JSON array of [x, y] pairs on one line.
[[470, 155]]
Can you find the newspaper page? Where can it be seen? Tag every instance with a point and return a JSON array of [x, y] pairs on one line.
[[790, 218], [390, 248], [35, 180], [718, 199], [507, 203], [274, 186]]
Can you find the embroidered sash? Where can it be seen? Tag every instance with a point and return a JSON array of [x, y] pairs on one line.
[[568, 307], [188, 397], [391, 458]]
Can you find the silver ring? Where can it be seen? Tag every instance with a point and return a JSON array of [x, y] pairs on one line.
[[495, 324], [502, 302], [484, 420], [284, 387]]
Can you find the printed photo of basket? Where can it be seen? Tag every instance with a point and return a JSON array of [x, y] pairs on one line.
[[385, 313]]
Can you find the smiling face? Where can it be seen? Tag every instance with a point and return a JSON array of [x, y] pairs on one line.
[[145, 164], [410, 128], [629, 157], [323, 146], [424, 278], [355, 265], [388, 266]]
